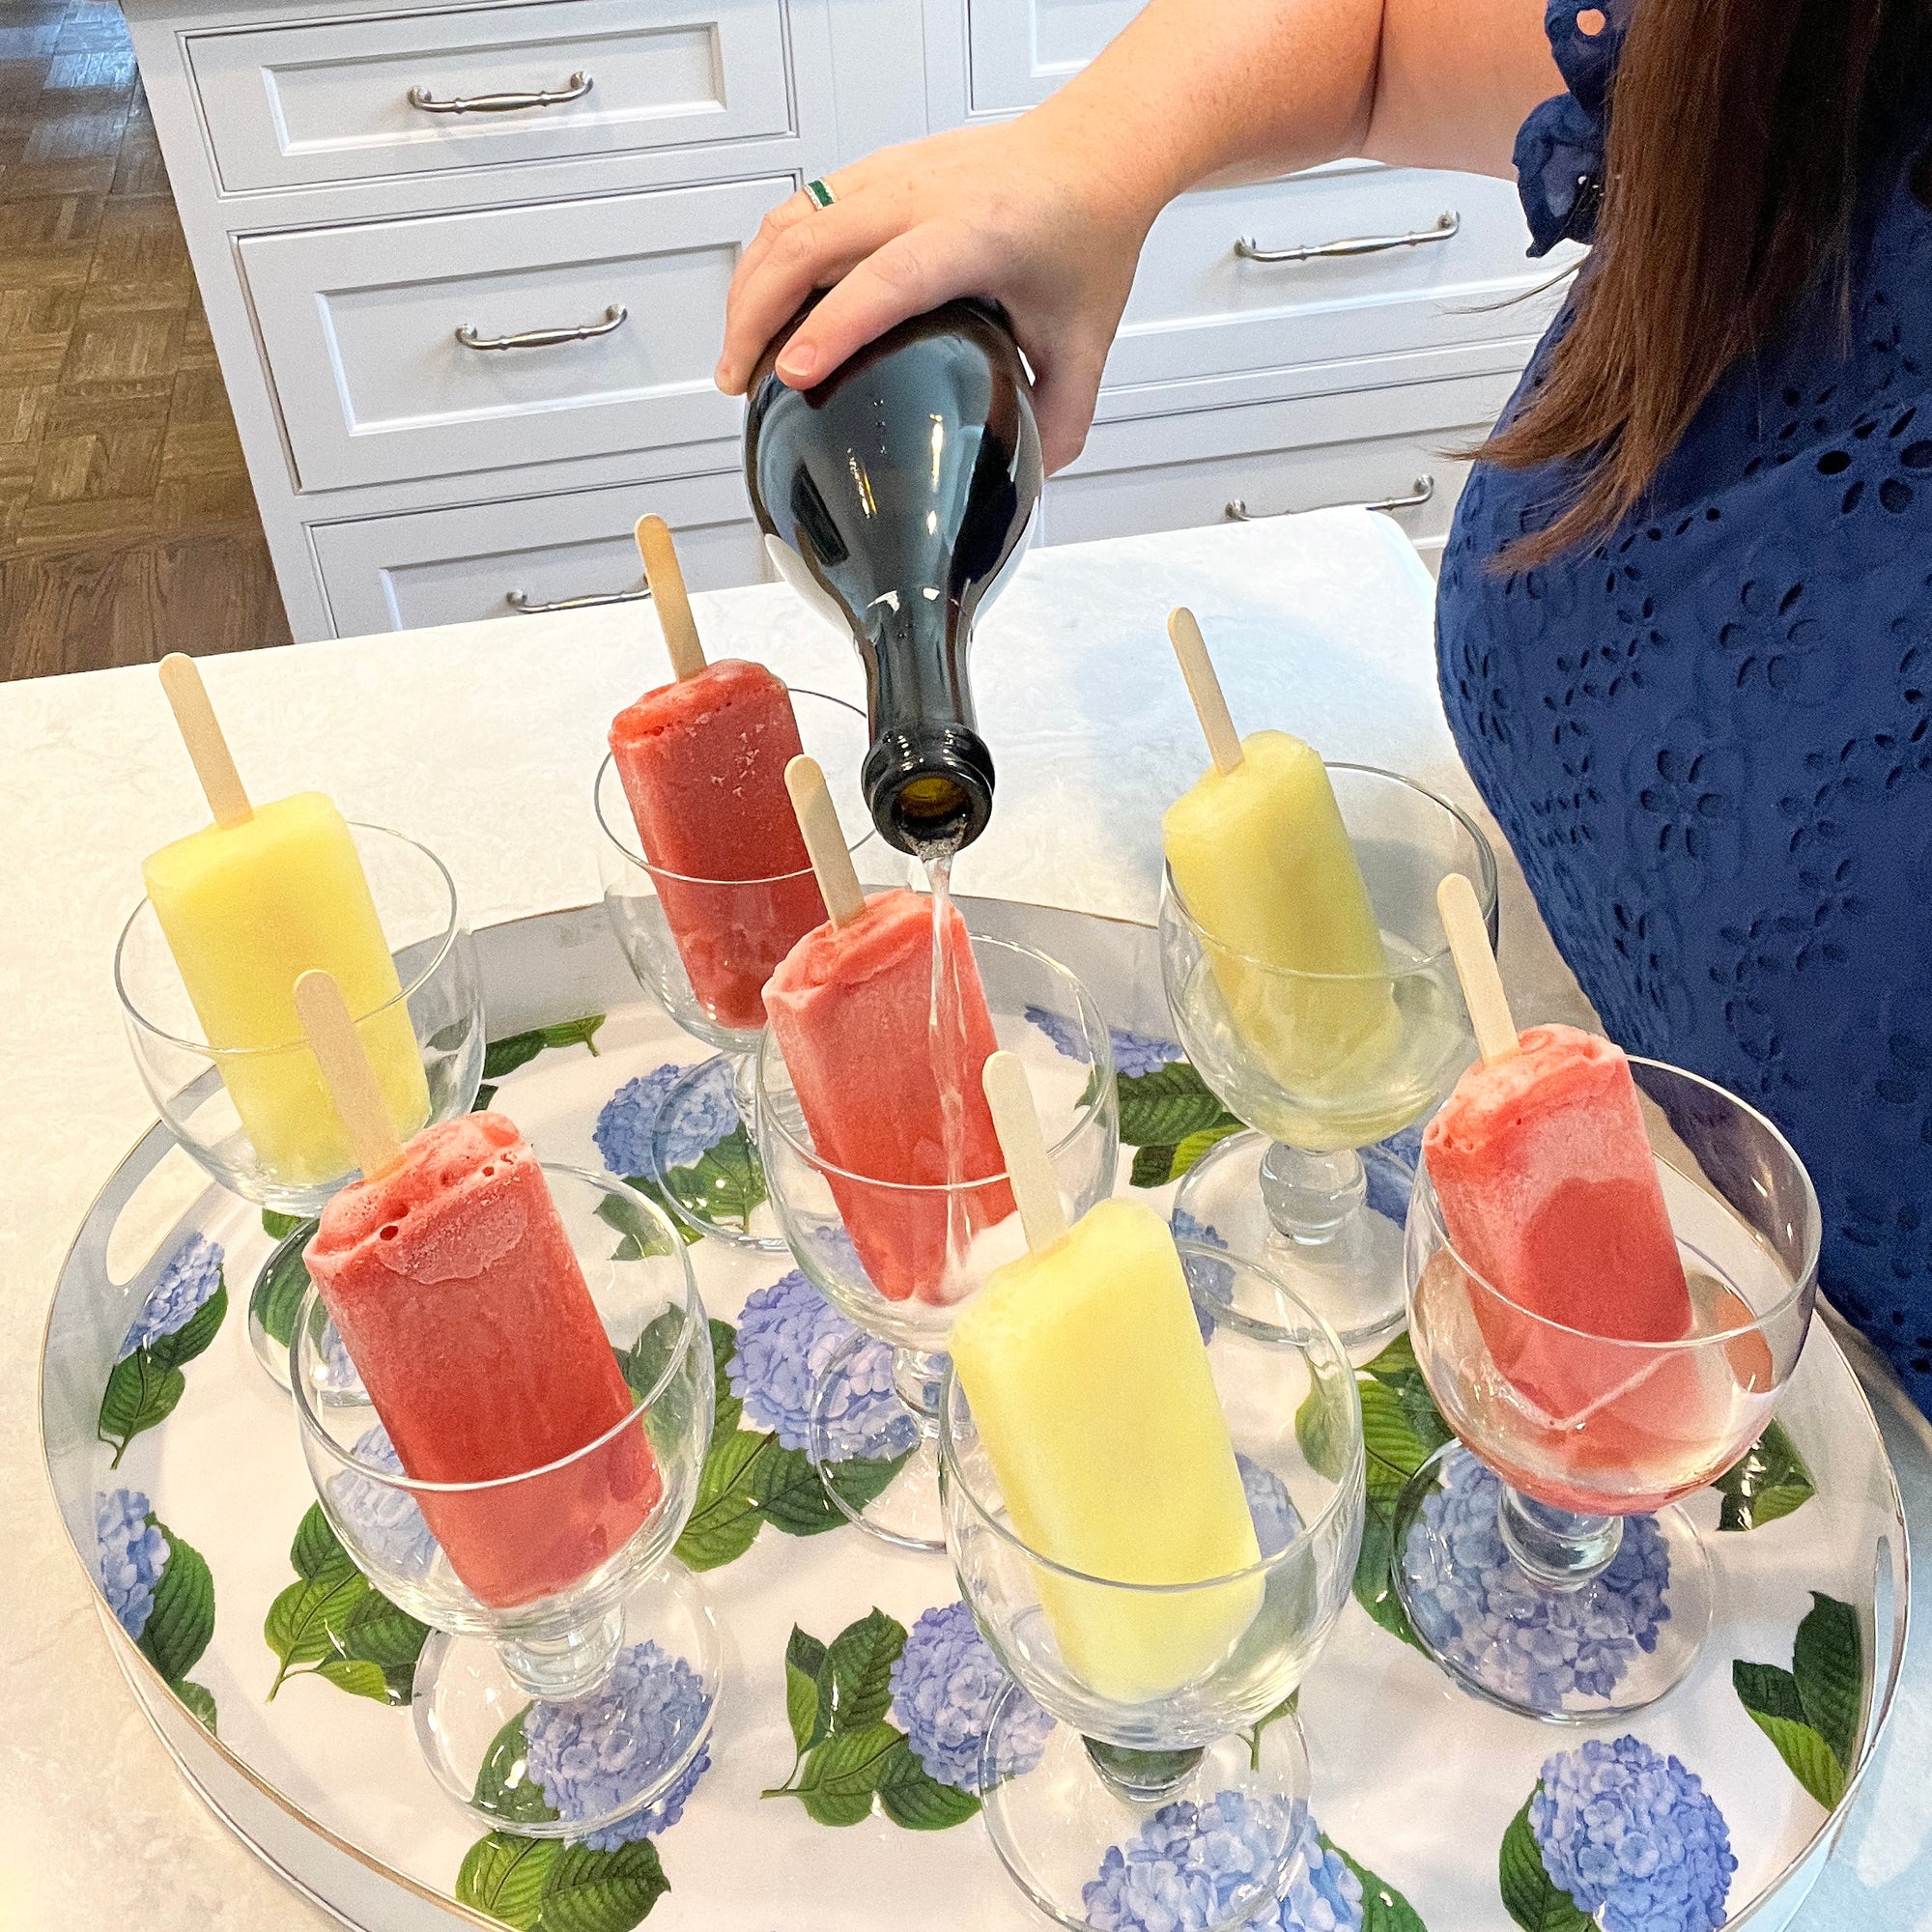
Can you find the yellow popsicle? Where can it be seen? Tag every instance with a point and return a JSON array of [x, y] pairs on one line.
[[247, 910], [1092, 1393], [1264, 866]]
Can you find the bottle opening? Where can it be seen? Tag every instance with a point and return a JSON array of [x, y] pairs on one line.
[[927, 790]]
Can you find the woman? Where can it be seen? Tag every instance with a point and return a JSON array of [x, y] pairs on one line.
[[1685, 621]]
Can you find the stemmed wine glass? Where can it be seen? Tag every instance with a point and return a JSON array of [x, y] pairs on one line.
[[215, 1101], [558, 1609], [1540, 1557], [1041, 1011], [1326, 1066], [704, 948], [1221, 1741]]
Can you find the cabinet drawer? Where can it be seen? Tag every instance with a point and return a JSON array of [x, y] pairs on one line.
[[366, 330], [498, 559], [345, 99], [1020, 50], [1386, 447], [1417, 260]]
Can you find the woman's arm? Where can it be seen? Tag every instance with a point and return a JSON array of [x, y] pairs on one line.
[[1046, 214]]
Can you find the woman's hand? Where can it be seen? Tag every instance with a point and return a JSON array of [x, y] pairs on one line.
[[1026, 213]]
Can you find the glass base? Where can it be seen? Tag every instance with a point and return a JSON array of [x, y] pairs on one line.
[[1346, 1261], [1565, 1653], [273, 1302], [905, 1512], [1054, 1825], [704, 1145], [631, 1693]]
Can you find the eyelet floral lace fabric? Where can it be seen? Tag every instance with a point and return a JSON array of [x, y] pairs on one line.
[[1710, 739]]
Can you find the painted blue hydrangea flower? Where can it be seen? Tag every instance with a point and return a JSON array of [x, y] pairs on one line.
[[130, 1556], [1277, 1524], [625, 1122], [1214, 1280], [1388, 1169], [385, 1520], [945, 1683], [786, 1335], [1134, 1053], [591, 1754], [1632, 1837], [706, 1111], [1539, 1647], [1187, 1863], [186, 1285]]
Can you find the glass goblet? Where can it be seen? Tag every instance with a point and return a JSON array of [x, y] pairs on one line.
[[1539, 1556], [940, 1242], [1215, 1744], [561, 1622], [704, 948], [232, 1108], [1326, 1066]]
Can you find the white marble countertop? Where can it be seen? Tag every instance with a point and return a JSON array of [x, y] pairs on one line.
[[480, 740]]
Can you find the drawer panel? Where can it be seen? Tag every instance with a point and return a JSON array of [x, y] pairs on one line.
[[285, 106], [1020, 50], [362, 326], [1441, 251], [456, 566], [1379, 446]]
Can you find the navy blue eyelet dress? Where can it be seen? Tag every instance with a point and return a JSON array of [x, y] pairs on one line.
[[1710, 739]]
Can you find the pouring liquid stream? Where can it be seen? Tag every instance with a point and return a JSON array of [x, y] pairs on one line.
[[947, 1044]]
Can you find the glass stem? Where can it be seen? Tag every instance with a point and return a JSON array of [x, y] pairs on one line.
[[1311, 1198], [918, 1377], [745, 1091], [1559, 1548], [1140, 1777], [562, 1664]]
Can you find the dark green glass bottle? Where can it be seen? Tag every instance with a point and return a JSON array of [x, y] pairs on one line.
[[894, 496]]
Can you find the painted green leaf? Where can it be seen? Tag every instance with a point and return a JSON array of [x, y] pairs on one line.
[[638, 1236], [504, 1876], [304, 1624], [1770, 1480], [1397, 1371], [1530, 1895], [726, 1408], [317, 1550], [140, 1393], [277, 1295], [1383, 1908], [793, 1499], [485, 1094], [1315, 1429], [602, 1892], [1164, 1107], [502, 1787], [1373, 1586], [652, 1190], [912, 1798], [649, 1355], [1153, 1166], [1828, 1663], [725, 1520], [1195, 1145], [1395, 1451], [863, 1480], [380, 1633], [724, 1184], [807, 1690], [838, 1779], [199, 1701], [182, 1619], [358, 1676], [862, 1659], [504, 1056], [1255, 1731], [1771, 1696], [194, 1337], [279, 1226], [573, 1033]]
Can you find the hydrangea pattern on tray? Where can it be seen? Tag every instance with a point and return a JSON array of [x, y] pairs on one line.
[[944, 1685], [388, 1518], [1541, 1647], [159, 1589], [178, 1318], [700, 1157]]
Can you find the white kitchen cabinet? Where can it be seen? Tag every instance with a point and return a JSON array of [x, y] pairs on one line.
[[377, 196]]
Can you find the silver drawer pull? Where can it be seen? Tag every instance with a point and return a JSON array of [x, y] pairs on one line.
[[614, 317], [1419, 491], [1449, 225], [574, 89], [520, 602]]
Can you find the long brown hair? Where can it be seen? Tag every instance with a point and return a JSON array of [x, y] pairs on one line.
[[1741, 131]]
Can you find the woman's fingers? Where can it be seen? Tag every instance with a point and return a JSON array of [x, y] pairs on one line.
[[1062, 400]]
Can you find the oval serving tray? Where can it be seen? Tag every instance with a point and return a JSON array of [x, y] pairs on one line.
[[283, 1713]]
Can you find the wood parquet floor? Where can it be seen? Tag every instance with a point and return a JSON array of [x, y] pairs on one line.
[[127, 526]]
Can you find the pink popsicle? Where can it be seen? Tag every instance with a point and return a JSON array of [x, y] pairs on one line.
[[702, 763], [851, 1007], [453, 1283], [1550, 1192]]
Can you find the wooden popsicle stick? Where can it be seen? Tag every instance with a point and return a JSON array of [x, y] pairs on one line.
[[825, 841], [1029, 1171], [1482, 979], [1210, 706], [347, 1074], [667, 592], [201, 731]]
